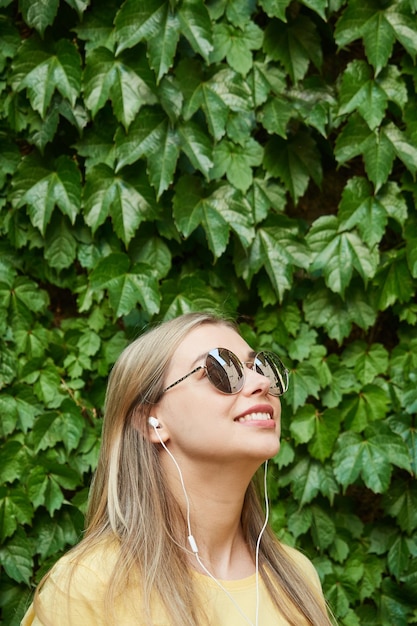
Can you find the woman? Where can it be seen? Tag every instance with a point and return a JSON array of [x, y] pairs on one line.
[[176, 535]]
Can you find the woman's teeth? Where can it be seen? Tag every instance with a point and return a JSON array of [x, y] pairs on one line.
[[254, 417]]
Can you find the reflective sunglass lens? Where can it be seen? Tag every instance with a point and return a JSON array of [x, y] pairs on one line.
[[224, 370], [270, 365]]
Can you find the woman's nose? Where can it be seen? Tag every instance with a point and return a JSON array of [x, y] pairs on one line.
[[254, 381]]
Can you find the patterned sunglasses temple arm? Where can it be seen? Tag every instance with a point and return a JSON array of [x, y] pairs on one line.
[[200, 367]]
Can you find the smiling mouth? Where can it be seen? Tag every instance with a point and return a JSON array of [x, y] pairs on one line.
[[254, 417]]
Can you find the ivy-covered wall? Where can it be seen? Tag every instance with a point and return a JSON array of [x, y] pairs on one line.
[[256, 157]]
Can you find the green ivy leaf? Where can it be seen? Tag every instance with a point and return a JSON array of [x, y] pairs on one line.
[[275, 8], [223, 207], [369, 362], [338, 252], [402, 21], [52, 538], [323, 528], [65, 425], [294, 162], [352, 140], [221, 94], [61, 245], [197, 146], [314, 102], [392, 608], [117, 79], [127, 286], [367, 21], [196, 27], [15, 509], [9, 157], [329, 310], [342, 381], [303, 383], [17, 412], [370, 457], [190, 293], [294, 46], [46, 482], [134, 23], [210, 98], [399, 503], [378, 156], [79, 5], [47, 386], [13, 461], [265, 79], [42, 188], [39, 15], [370, 404], [143, 137], [360, 208], [356, 457], [237, 12], [403, 427], [319, 6], [394, 280], [359, 91], [372, 576], [265, 195], [303, 423], [16, 558], [162, 164], [327, 428], [236, 161], [10, 39], [403, 147], [368, 212], [109, 195], [304, 343], [393, 84], [277, 247], [26, 293], [41, 69], [170, 97], [154, 251], [97, 143], [398, 556], [235, 43], [162, 46], [305, 478], [96, 28], [276, 115], [411, 245]]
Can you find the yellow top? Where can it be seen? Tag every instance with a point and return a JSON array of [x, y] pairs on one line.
[[81, 603]]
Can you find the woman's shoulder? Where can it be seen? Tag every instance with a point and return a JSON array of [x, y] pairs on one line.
[[74, 590], [87, 563], [303, 564]]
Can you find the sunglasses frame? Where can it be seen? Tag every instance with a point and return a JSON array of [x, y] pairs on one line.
[[247, 363]]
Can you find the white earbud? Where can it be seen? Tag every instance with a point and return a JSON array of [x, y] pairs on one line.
[[152, 421]]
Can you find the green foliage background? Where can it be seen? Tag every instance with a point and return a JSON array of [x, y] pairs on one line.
[[254, 157]]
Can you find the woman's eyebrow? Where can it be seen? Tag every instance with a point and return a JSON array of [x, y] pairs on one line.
[[199, 358]]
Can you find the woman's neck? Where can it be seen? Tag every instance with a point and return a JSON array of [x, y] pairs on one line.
[[215, 497]]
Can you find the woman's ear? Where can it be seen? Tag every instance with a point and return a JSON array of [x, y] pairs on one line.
[[156, 431], [150, 427]]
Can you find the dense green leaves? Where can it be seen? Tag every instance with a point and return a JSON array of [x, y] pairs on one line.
[[257, 158]]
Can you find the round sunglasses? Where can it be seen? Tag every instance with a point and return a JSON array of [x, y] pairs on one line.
[[227, 373]]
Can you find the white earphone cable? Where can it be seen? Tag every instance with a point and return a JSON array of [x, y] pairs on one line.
[[193, 543]]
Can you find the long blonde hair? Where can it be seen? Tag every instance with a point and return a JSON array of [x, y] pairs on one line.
[[130, 501]]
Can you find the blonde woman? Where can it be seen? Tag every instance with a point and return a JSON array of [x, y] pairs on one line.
[[176, 534]]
